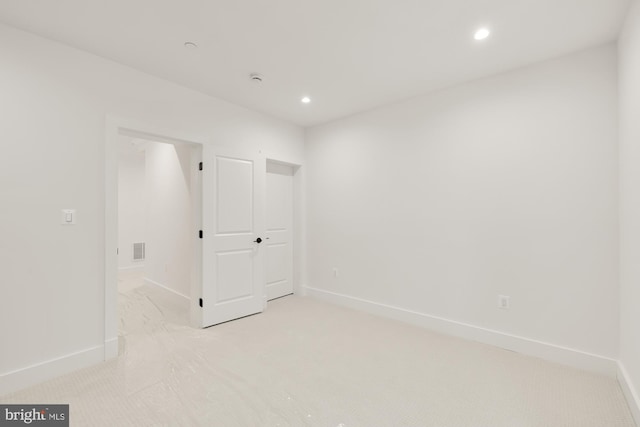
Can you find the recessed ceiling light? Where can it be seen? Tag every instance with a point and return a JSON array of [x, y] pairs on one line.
[[190, 45], [305, 100], [482, 34]]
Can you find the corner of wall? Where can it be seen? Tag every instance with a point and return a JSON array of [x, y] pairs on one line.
[[629, 391]]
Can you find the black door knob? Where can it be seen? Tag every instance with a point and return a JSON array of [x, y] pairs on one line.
[[258, 240]]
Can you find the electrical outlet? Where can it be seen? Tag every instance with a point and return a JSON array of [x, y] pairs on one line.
[[503, 302]]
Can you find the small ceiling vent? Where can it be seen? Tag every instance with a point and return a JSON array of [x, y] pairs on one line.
[[256, 77]]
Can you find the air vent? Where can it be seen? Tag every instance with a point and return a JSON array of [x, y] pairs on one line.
[[138, 251], [256, 77]]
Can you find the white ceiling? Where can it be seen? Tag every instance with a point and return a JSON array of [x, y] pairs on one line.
[[347, 55]]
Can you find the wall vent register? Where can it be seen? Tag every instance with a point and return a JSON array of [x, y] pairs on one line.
[[138, 251]]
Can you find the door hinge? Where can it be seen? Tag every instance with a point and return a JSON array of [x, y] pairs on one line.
[[200, 166], [200, 302], [200, 234]]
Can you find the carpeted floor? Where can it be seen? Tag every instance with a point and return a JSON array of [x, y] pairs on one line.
[[308, 363]]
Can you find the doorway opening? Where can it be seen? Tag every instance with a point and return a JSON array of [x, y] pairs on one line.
[[155, 233], [227, 189], [146, 172]]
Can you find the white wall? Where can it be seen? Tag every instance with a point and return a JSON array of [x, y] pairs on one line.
[[506, 185], [131, 206], [629, 51], [169, 232], [54, 104]]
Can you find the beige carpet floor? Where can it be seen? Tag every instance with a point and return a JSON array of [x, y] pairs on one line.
[[308, 363]]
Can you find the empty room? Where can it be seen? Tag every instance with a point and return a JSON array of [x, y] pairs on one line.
[[333, 213]]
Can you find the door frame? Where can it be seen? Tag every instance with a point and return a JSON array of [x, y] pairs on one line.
[[116, 128], [299, 236]]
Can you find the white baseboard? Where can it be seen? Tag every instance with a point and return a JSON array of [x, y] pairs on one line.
[[300, 290], [551, 352], [40, 372], [111, 348], [126, 272], [166, 288], [131, 268], [630, 392]]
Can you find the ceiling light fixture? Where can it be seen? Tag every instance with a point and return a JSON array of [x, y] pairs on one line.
[[305, 100], [190, 45], [481, 34]]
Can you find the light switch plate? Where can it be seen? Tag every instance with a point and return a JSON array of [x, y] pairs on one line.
[[68, 217]]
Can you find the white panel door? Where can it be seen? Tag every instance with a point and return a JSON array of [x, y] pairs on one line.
[[233, 221], [279, 263]]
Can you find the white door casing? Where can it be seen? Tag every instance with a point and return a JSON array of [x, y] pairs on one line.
[[279, 231], [233, 185]]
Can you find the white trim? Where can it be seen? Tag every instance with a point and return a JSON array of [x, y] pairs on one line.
[[303, 291], [35, 374], [111, 230], [111, 348], [551, 352], [166, 288], [131, 268], [630, 392], [299, 232], [299, 219], [115, 127]]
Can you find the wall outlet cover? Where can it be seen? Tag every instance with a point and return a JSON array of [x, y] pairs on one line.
[[504, 302]]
